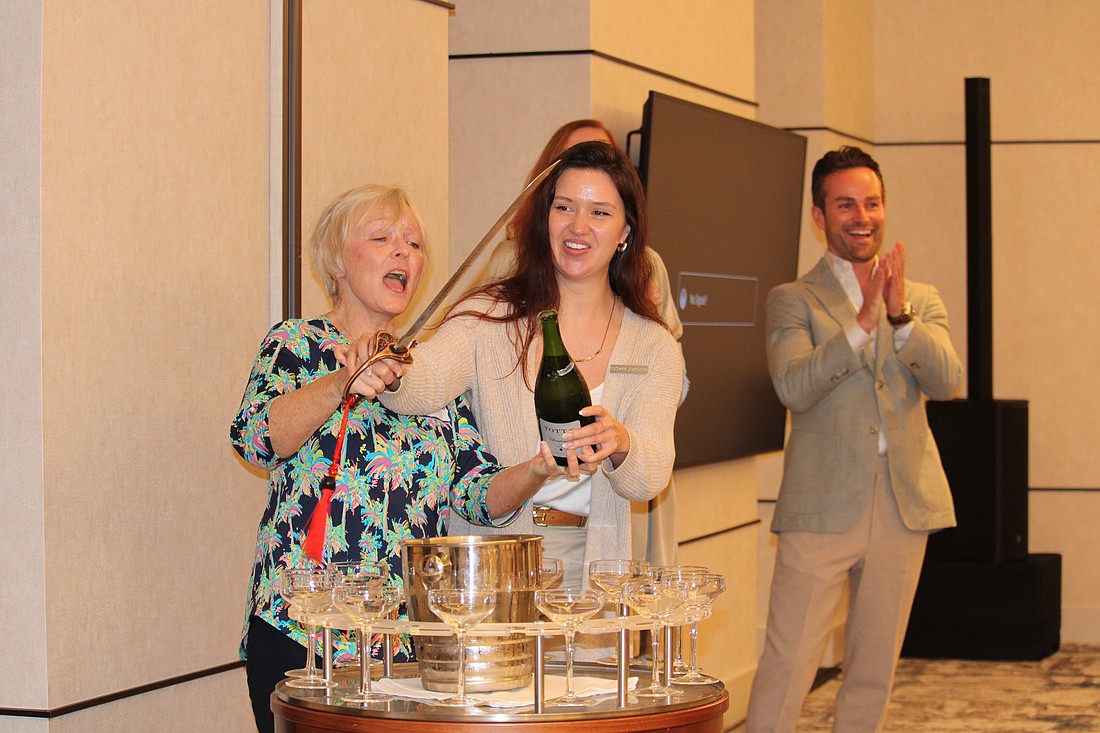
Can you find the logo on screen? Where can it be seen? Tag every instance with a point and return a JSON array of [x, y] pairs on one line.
[[718, 299]]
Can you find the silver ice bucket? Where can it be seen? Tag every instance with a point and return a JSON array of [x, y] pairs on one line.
[[507, 564]]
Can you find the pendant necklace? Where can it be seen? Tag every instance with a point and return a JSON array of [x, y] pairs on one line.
[[607, 328]]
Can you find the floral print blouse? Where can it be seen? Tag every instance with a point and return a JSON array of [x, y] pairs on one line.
[[399, 476]]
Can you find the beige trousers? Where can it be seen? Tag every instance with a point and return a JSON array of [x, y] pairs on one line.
[[882, 559]]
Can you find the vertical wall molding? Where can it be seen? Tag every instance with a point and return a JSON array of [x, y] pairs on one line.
[[292, 159]]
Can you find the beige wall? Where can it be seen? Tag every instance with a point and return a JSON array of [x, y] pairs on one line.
[[149, 206], [705, 42], [1045, 192], [23, 561], [141, 214], [374, 109]]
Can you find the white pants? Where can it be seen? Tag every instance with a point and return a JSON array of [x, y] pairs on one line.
[[882, 559], [567, 544]]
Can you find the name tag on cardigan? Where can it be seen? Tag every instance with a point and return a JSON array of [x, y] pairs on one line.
[[629, 369]]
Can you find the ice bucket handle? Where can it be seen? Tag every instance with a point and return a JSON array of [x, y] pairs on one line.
[[433, 567]]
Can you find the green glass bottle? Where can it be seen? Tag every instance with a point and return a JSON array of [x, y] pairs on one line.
[[560, 389]]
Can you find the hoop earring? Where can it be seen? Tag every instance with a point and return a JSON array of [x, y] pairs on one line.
[[622, 246]]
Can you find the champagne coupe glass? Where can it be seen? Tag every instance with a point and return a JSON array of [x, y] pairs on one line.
[[550, 572], [655, 600], [609, 575], [309, 591], [569, 607], [461, 609], [365, 600], [285, 589], [378, 570], [701, 594], [681, 572]]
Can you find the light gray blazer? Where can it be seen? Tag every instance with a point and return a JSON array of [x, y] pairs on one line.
[[839, 399]]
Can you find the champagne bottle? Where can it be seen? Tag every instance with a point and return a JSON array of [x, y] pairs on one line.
[[560, 389]]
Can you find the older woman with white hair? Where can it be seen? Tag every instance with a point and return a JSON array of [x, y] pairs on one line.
[[368, 478]]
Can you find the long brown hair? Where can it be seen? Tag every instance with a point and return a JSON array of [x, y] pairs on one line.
[[533, 286]]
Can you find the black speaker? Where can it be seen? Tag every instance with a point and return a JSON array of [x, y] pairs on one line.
[[1003, 611], [983, 445]]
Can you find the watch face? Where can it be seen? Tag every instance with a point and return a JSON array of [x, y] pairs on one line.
[[902, 318]]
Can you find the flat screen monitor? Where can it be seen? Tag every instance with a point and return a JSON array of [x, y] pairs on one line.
[[725, 206]]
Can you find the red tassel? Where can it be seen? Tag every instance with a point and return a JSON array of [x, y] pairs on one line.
[[317, 526]]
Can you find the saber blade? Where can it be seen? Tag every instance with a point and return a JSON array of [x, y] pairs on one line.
[[406, 340], [388, 346]]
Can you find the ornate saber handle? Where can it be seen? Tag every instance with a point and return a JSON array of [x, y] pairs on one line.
[[386, 346]]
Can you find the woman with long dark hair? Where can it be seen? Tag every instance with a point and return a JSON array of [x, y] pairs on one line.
[[581, 249]]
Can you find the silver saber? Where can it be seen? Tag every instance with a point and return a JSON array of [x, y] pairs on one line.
[[407, 339], [388, 346]]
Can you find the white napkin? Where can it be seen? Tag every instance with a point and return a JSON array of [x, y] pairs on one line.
[[411, 687]]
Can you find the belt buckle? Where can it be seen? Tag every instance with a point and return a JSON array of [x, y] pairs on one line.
[[538, 516]]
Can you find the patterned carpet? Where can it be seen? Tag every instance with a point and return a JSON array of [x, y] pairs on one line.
[[1059, 693]]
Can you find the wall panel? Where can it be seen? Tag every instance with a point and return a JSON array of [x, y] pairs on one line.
[[375, 110], [22, 567], [531, 26], [1063, 522], [218, 703], [154, 269], [620, 91], [1037, 53], [159, 138], [726, 642], [1046, 203], [719, 34], [927, 184], [789, 44]]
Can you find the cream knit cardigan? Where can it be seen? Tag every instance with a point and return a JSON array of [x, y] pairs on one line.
[[641, 390]]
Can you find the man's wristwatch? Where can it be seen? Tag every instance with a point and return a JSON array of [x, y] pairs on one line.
[[905, 317]]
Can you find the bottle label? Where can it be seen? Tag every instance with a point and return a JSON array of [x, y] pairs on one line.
[[566, 369], [552, 433]]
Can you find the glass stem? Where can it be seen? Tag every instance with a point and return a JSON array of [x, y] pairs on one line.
[[694, 669], [656, 634], [461, 664], [364, 660], [668, 661], [570, 634], [311, 651], [624, 635], [328, 658]]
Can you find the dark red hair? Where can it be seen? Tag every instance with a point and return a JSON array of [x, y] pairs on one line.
[[555, 146]]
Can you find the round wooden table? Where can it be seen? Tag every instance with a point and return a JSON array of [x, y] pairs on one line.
[[312, 711]]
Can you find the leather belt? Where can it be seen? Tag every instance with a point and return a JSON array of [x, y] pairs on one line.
[[547, 517]]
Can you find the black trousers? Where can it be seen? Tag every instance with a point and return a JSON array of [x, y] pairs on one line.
[[271, 654]]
